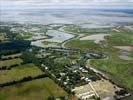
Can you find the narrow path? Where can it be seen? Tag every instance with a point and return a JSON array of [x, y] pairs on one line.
[[94, 89]]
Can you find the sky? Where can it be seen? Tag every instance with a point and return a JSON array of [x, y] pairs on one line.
[[25, 4]]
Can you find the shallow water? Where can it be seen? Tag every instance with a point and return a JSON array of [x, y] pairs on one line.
[[58, 36]]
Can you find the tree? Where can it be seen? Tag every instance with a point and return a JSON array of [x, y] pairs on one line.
[[29, 57], [51, 98]]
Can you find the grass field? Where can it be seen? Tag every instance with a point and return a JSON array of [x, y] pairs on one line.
[[120, 39], [83, 45], [19, 72], [39, 89], [11, 62]]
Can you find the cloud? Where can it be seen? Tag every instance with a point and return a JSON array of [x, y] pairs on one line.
[[67, 1], [41, 3]]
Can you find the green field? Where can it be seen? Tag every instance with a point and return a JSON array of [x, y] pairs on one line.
[[120, 70], [10, 62], [39, 89], [120, 39], [19, 72], [83, 45], [79, 30]]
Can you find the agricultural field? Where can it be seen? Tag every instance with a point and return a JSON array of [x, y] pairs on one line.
[[19, 72], [105, 89], [10, 62], [39, 89], [102, 88]]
